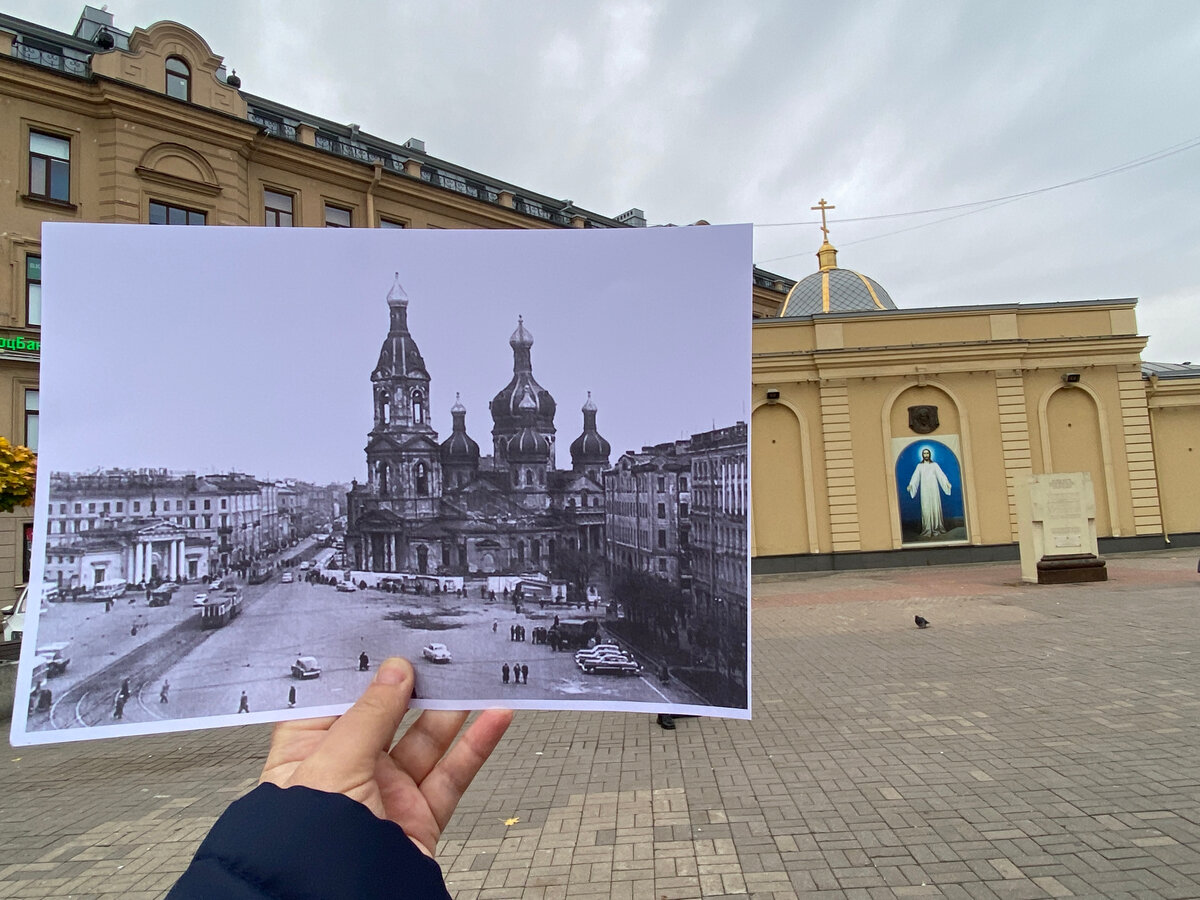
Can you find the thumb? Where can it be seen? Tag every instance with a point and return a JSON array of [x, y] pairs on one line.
[[370, 724]]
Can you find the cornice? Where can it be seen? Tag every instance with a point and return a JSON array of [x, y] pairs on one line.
[[901, 360]]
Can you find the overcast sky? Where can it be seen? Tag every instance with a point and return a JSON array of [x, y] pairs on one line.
[[753, 111]]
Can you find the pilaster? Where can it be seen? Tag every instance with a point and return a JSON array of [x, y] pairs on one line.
[[1139, 451], [1014, 437], [839, 465]]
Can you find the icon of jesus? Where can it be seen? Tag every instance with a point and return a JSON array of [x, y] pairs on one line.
[[928, 478]]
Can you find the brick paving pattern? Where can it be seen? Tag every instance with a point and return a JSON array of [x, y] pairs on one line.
[[1034, 742]]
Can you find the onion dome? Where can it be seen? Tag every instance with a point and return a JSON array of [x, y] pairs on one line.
[[589, 448], [521, 337], [505, 406], [459, 448], [399, 356], [528, 444]]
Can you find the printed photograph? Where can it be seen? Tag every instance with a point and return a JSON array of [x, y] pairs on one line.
[[271, 458]]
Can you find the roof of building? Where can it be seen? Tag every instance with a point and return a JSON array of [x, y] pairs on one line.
[[831, 289], [1170, 370]]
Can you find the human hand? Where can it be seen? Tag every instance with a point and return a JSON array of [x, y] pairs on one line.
[[416, 783]]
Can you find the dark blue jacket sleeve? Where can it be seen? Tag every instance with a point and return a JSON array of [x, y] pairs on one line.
[[301, 844]]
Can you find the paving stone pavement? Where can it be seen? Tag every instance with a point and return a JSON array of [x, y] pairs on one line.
[[1034, 742]]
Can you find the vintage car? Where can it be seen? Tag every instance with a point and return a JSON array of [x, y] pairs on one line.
[[306, 667], [347, 587], [287, 578], [200, 599], [437, 653], [614, 666], [55, 657], [161, 596]]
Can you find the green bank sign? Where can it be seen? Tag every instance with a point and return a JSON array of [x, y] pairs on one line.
[[20, 343]]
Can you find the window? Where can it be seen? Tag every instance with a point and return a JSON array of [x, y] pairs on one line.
[[208, 504], [662, 510], [683, 483], [49, 167], [27, 554], [120, 506], [224, 503], [683, 510], [336, 217], [33, 290], [389, 223], [179, 79], [169, 214], [662, 539], [31, 420], [277, 209], [662, 483]]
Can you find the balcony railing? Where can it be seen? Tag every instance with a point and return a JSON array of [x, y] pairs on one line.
[[51, 60], [273, 127]]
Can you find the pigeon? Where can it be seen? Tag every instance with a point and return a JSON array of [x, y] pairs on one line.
[[921, 621]]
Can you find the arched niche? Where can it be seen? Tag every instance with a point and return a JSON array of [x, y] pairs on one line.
[[781, 478], [953, 419], [1074, 436]]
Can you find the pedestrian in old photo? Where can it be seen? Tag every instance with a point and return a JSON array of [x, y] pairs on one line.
[[516, 673], [495, 625], [164, 691], [125, 688], [244, 703], [364, 662], [525, 673], [119, 706], [291, 697], [504, 673]]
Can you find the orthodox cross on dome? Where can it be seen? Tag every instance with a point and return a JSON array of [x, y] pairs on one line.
[[822, 206]]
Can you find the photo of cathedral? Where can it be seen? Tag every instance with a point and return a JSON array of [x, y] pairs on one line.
[[441, 507]]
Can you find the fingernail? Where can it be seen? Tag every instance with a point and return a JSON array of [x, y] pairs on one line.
[[391, 671]]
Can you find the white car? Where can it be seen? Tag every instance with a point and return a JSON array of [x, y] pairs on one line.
[[347, 587], [200, 599], [287, 578], [437, 653]]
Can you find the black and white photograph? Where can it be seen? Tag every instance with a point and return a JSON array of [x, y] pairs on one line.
[[270, 459]]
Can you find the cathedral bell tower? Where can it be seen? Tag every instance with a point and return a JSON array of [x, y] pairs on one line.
[[403, 457]]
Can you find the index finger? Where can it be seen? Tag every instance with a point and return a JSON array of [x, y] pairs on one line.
[[369, 726]]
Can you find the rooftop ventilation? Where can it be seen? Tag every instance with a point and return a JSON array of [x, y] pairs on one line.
[[415, 144], [634, 217]]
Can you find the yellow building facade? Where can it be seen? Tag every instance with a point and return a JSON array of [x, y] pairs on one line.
[[846, 384]]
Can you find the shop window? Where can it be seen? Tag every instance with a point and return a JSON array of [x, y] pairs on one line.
[[179, 79], [49, 167], [31, 420], [169, 214], [336, 217], [277, 208], [33, 290]]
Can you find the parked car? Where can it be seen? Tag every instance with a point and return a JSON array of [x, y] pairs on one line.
[[200, 599], [215, 584], [606, 647], [306, 667], [287, 578], [614, 667], [14, 617], [347, 587], [306, 565], [55, 657], [437, 653]]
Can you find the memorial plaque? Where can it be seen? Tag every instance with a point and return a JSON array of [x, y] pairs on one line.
[[1056, 518]]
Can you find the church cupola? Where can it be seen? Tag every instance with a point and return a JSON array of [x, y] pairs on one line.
[[460, 454], [507, 416], [528, 455], [590, 451], [400, 380]]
